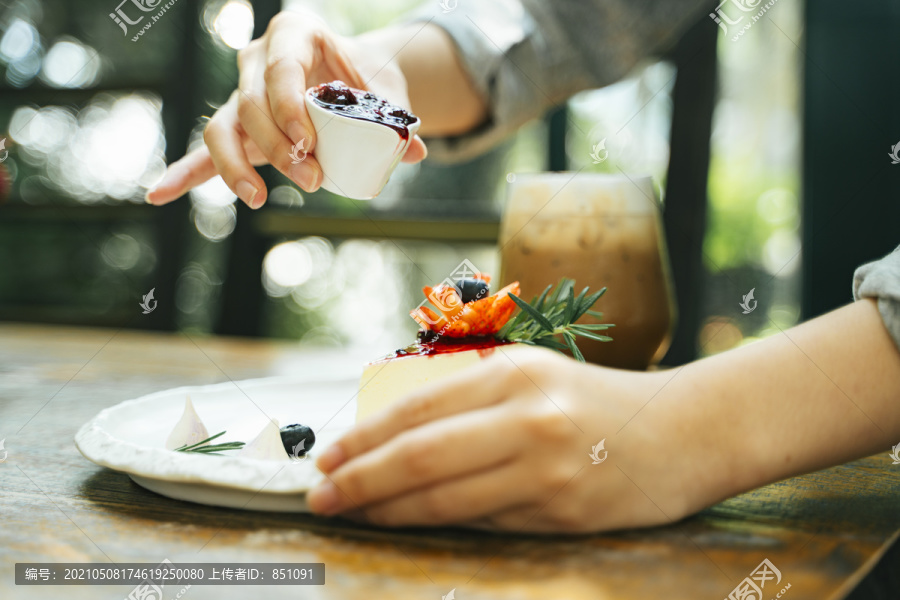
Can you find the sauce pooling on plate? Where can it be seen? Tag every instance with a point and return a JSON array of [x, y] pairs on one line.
[[366, 106]]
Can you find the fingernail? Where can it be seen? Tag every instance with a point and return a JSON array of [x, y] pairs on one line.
[[306, 176], [246, 191], [297, 132], [331, 458], [168, 179], [323, 498]]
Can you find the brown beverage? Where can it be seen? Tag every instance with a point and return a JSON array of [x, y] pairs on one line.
[[602, 231]]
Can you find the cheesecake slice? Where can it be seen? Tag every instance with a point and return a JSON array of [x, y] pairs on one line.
[[471, 325], [459, 334], [402, 372]]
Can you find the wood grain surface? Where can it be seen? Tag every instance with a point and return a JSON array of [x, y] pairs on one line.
[[824, 531]]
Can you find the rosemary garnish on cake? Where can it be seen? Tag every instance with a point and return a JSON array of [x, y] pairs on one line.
[[550, 315]]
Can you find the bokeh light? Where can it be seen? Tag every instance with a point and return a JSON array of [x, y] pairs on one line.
[[367, 298], [215, 223], [777, 206], [43, 131], [325, 282], [781, 253], [21, 49], [214, 214], [194, 289], [285, 196], [719, 334], [20, 73], [112, 148], [634, 142], [18, 41], [229, 22], [323, 335], [71, 64], [121, 251], [354, 294], [126, 249], [286, 266]]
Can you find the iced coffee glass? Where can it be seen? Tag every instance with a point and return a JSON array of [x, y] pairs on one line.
[[602, 231]]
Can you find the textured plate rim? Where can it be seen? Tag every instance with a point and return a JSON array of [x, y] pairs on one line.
[[248, 474]]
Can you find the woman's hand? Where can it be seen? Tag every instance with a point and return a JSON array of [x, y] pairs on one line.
[[266, 116], [507, 445]]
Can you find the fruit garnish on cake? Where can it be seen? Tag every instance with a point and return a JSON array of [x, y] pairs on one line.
[[468, 324]]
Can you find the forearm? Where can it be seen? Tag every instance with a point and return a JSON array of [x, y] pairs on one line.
[[440, 90], [821, 394], [477, 74]]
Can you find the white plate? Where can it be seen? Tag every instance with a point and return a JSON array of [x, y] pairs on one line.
[[130, 437]]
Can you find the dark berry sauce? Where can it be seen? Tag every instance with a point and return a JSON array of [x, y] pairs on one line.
[[366, 106], [484, 344]]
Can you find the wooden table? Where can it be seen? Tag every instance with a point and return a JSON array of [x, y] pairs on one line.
[[825, 532]]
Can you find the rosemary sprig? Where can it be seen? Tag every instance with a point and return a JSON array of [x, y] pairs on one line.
[[211, 448], [550, 315]]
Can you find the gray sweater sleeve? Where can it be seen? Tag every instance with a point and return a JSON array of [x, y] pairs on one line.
[[881, 280], [525, 56]]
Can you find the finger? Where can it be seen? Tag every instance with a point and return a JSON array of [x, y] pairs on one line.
[[226, 149], [475, 387], [441, 450], [570, 508], [337, 62], [286, 84], [256, 120], [388, 83], [287, 66], [254, 154], [416, 151], [294, 162], [182, 175], [459, 500]]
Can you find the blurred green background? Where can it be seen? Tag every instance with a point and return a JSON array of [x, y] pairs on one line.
[[91, 118]]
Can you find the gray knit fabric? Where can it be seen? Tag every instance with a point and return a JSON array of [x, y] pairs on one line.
[[881, 280], [525, 56]]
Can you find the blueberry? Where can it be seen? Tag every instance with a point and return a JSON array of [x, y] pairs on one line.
[[472, 289], [296, 435], [336, 93], [426, 335]]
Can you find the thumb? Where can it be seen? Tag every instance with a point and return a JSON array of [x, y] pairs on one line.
[[416, 151]]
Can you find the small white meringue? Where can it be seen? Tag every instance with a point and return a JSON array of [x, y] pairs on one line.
[[267, 445], [189, 430]]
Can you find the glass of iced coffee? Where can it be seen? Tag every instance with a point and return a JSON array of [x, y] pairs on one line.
[[602, 231]]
